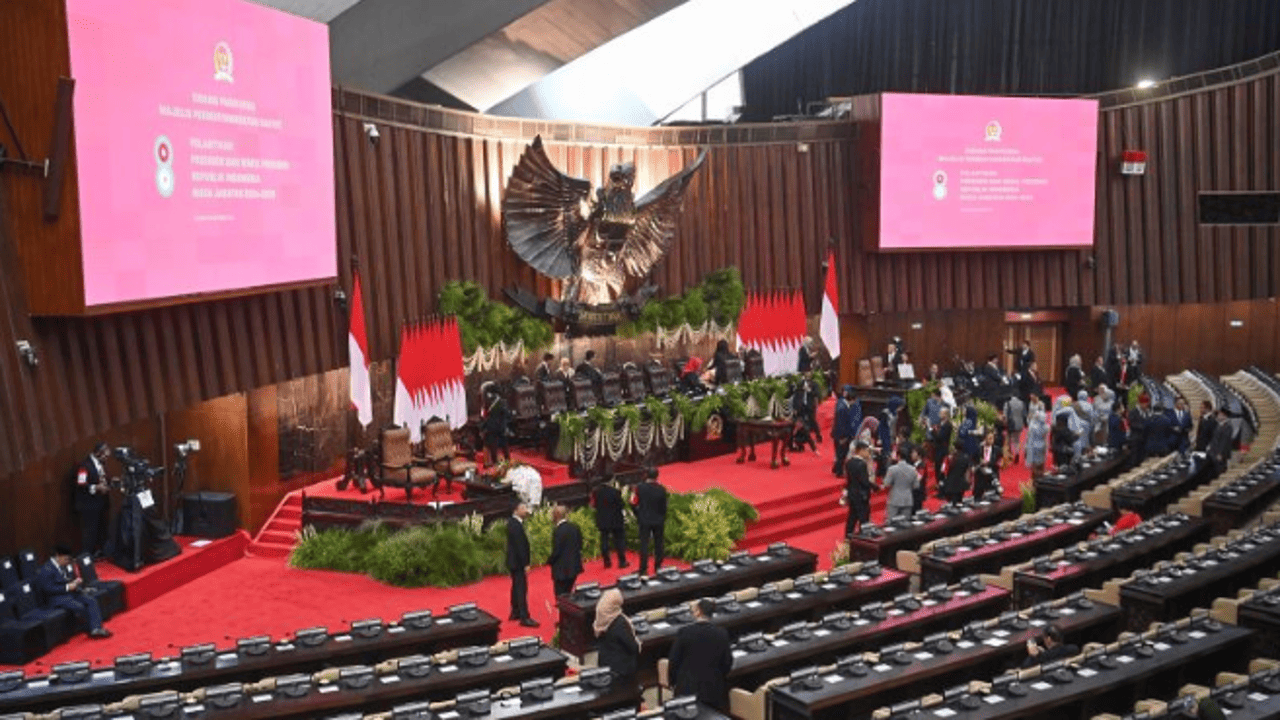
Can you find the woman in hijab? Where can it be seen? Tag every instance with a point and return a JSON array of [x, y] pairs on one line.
[[1037, 443], [619, 649], [1082, 423], [720, 363]]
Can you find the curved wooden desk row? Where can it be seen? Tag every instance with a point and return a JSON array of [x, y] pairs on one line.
[[883, 542], [1066, 485], [856, 683], [1151, 487], [306, 650], [355, 687], [1089, 682], [1255, 696]]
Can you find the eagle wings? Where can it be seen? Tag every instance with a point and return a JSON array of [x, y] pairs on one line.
[[594, 244]]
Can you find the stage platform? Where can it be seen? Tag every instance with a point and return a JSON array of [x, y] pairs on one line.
[[199, 556]]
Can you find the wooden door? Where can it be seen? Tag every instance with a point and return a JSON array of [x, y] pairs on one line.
[[1046, 342]]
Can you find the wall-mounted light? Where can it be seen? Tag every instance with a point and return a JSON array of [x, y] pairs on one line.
[[1146, 84], [802, 147], [186, 448], [28, 353], [1236, 323], [917, 326], [371, 132]]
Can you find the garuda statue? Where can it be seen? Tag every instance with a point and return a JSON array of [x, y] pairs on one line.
[[593, 244]]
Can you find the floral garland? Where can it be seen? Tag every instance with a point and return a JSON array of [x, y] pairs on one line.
[[494, 357], [665, 338]]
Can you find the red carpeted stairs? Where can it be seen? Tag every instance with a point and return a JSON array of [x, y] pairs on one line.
[[280, 534], [786, 517]]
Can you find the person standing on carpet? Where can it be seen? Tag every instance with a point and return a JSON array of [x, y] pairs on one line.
[[618, 648], [91, 501], [496, 422], [566, 552], [848, 418], [902, 482], [609, 521], [857, 492], [517, 562], [650, 499], [957, 476], [701, 658]]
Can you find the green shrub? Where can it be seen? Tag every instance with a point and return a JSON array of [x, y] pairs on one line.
[[484, 323], [437, 555], [337, 549], [1028, 498], [700, 531]]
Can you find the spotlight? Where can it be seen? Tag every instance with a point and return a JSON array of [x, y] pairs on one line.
[[371, 132], [186, 448], [1146, 83]]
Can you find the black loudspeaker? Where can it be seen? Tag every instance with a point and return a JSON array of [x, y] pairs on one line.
[[209, 514]]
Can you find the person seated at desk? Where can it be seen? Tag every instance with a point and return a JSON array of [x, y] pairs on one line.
[[619, 648], [1053, 648], [691, 380], [717, 372], [61, 589], [544, 371]]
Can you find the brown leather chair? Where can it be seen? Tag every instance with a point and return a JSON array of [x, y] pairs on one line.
[[865, 376], [442, 453], [399, 467]]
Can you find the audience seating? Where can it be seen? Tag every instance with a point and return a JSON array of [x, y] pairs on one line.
[[552, 397], [22, 639], [882, 542], [1251, 696]]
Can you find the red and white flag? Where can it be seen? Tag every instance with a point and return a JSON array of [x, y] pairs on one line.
[[429, 376], [774, 324], [829, 325], [358, 353]]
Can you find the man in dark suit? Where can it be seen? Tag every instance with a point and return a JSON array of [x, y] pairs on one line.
[[545, 368], [843, 428], [517, 561], [1220, 444], [1139, 422], [940, 439], [701, 658], [1181, 421], [1208, 423], [1054, 648], [857, 488], [496, 421], [61, 589], [1098, 374], [1029, 384], [609, 521], [91, 498], [651, 515], [566, 552], [587, 369], [1023, 357]]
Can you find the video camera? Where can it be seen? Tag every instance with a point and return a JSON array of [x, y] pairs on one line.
[[138, 471]]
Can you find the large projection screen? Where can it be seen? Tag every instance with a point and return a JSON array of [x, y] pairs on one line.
[[986, 173], [204, 148]]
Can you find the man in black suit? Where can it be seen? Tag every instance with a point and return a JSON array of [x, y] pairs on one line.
[[651, 515], [517, 561], [1098, 374], [609, 522], [543, 373], [91, 498], [1054, 648], [857, 491], [1220, 444], [587, 369], [1204, 429], [701, 658], [1181, 421], [495, 419], [566, 552], [1029, 384], [61, 589], [1023, 357]]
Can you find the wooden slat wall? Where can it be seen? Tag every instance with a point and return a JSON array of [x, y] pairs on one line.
[[422, 207]]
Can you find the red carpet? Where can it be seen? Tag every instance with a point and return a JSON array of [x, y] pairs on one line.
[[257, 595]]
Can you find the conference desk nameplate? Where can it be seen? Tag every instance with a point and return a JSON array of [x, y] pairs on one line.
[[281, 658], [578, 611], [886, 541]]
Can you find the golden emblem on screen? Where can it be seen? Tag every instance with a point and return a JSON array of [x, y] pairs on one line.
[[222, 62], [994, 130]]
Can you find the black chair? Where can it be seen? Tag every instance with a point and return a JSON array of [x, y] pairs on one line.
[[58, 625], [21, 641], [109, 593], [8, 573], [28, 565]]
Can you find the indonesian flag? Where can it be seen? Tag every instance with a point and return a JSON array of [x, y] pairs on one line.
[[829, 326], [429, 376], [358, 353], [774, 324]]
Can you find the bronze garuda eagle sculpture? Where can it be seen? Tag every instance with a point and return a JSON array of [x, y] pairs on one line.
[[593, 244]]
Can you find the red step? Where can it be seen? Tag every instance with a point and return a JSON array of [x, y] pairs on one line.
[[798, 510], [270, 550], [277, 537], [786, 532]]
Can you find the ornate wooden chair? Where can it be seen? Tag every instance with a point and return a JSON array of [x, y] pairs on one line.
[[399, 467], [440, 451]]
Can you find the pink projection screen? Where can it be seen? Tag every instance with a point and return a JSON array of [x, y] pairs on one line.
[[986, 173], [204, 146]]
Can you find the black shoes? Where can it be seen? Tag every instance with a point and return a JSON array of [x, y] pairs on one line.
[[530, 622], [100, 634]]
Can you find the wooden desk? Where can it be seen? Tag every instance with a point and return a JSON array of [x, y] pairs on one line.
[[1094, 689], [883, 543], [1150, 495], [1061, 488], [281, 658], [571, 702], [578, 611], [777, 432], [1110, 557], [1231, 505], [936, 567], [761, 614], [1174, 591], [1262, 613], [845, 695], [750, 669]]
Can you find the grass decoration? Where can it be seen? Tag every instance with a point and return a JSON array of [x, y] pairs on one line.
[[720, 297], [699, 526], [485, 323], [915, 407], [1028, 492]]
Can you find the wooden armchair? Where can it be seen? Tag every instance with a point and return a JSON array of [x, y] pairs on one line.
[[438, 447], [399, 467]]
